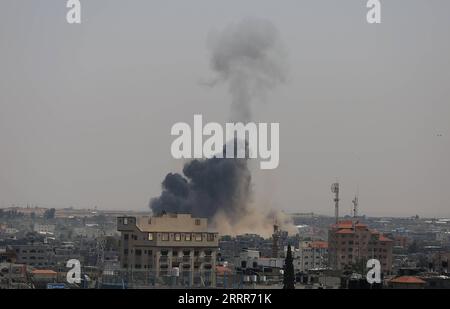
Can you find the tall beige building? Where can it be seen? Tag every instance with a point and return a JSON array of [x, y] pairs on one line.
[[353, 243], [170, 249]]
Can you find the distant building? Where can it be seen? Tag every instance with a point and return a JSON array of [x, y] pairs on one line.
[[168, 248], [7, 256], [42, 277], [312, 255], [401, 241], [11, 231], [247, 259], [353, 243], [407, 282], [44, 228], [230, 247], [37, 255], [13, 276], [252, 259], [279, 241]]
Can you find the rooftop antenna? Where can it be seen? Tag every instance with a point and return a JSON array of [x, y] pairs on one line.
[[335, 190], [355, 206]]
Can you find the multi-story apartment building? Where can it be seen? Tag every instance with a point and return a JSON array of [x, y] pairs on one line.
[[353, 243], [312, 255], [170, 248], [36, 255], [44, 228]]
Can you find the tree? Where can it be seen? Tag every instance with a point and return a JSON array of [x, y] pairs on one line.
[[288, 275]]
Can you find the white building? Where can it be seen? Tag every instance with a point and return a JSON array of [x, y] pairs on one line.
[[44, 228], [312, 255]]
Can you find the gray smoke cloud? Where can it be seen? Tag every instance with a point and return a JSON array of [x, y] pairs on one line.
[[208, 187], [249, 57]]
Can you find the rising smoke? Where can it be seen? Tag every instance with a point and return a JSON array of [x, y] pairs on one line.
[[208, 187], [249, 58]]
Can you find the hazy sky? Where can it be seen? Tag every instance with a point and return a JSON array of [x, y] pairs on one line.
[[86, 110]]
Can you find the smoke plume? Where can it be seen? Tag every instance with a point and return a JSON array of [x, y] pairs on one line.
[[249, 57], [208, 187]]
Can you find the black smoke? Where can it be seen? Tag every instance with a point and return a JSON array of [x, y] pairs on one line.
[[206, 188]]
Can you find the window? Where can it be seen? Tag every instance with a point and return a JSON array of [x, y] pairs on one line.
[[138, 252], [150, 236], [125, 221], [134, 237], [125, 236], [187, 237], [125, 251], [210, 237], [177, 237], [198, 237], [197, 221], [165, 236]]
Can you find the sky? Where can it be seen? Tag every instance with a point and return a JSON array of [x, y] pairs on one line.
[[86, 110]]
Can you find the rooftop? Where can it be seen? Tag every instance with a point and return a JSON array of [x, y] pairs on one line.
[[43, 272], [407, 280]]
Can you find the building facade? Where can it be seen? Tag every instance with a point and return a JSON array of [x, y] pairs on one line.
[[352, 244], [170, 249], [312, 255], [36, 255]]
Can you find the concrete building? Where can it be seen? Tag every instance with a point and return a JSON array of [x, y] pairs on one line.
[[247, 258], [312, 255], [407, 282], [42, 277], [13, 276], [169, 249], [37, 255], [44, 228], [352, 243]]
